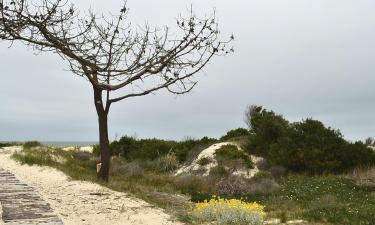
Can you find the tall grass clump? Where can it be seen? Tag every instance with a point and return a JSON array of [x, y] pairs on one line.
[[229, 212]]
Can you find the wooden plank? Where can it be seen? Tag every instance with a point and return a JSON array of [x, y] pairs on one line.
[[22, 205]]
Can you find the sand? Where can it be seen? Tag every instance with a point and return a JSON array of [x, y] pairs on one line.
[[78, 202], [209, 153]]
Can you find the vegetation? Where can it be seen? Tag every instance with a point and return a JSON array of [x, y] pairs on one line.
[[331, 199], [303, 174], [7, 144], [306, 146], [229, 155], [204, 161], [150, 149], [229, 212], [235, 134], [31, 144], [324, 199], [370, 141]]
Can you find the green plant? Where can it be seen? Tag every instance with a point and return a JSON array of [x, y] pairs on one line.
[[204, 161], [8, 144], [218, 171], [228, 153], [235, 133], [262, 174], [306, 146], [31, 144], [150, 149]]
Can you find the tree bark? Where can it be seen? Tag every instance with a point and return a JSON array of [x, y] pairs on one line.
[[103, 136]]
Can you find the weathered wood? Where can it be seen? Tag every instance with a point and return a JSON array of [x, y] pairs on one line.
[[21, 204]]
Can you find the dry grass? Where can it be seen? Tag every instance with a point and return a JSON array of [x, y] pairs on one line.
[[364, 177]]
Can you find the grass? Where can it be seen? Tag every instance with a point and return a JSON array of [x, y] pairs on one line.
[[328, 200], [325, 199]]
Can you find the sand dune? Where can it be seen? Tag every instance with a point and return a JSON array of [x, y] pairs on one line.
[[79, 202]]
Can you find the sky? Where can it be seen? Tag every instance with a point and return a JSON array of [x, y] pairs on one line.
[[300, 58]]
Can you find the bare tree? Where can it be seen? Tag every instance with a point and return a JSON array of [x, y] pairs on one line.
[[111, 55]]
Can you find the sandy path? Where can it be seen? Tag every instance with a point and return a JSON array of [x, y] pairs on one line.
[[79, 202]]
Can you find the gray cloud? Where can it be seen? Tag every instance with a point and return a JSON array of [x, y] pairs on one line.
[[300, 58]]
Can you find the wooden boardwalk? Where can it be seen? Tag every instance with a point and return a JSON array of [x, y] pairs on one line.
[[21, 205]]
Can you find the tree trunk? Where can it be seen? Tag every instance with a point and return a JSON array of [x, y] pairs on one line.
[[103, 136]]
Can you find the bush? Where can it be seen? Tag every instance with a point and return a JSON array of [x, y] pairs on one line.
[[306, 146], [277, 171], [262, 174], [31, 144], [151, 149], [191, 184], [364, 178], [241, 187], [83, 156], [235, 133], [230, 153], [233, 186], [218, 172], [132, 169], [7, 144], [204, 161], [229, 212]]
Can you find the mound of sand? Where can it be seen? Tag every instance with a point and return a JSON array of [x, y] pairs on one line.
[[209, 153], [78, 202]]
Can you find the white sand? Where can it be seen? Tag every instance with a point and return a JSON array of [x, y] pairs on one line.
[[209, 153], [78, 202], [79, 148]]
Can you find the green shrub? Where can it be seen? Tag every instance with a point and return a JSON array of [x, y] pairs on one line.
[[218, 171], [230, 153], [306, 146], [151, 149], [31, 144], [262, 174], [235, 133], [8, 144], [204, 161]]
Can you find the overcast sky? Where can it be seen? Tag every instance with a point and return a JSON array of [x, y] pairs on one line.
[[300, 58]]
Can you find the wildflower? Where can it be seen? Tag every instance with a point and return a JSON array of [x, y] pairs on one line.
[[229, 211]]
